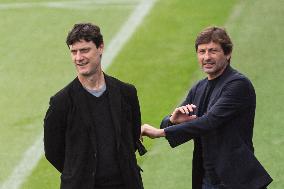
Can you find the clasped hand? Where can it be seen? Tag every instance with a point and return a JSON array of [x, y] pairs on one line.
[[179, 115], [183, 114]]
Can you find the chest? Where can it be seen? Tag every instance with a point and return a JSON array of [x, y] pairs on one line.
[[205, 97]]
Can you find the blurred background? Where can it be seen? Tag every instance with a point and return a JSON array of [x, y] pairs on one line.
[[149, 43]]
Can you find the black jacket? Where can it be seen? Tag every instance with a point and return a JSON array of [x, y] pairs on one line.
[[224, 132], [69, 138]]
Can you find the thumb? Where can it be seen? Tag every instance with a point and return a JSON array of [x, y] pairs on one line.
[[193, 117]]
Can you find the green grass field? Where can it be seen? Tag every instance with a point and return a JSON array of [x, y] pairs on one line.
[[159, 59]]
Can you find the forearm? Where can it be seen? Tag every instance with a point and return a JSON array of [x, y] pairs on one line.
[[54, 148], [152, 132]]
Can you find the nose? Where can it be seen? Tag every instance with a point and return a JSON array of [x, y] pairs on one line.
[[207, 56], [78, 56]]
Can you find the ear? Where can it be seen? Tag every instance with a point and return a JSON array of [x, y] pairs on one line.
[[228, 56], [101, 48]]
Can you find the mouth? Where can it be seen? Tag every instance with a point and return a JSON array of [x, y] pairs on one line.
[[208, 64], [204, 63], [81, 64]]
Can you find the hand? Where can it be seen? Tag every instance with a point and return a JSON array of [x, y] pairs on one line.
[[152, 132], [182, 114]]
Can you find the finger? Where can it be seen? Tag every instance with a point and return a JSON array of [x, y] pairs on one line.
[[189, 107], [174, 112], [186, 110], [180, 109], [189, 118], [144, 125], [193, 117]]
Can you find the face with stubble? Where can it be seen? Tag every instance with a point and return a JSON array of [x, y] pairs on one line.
[[212, 59], [86, 57]]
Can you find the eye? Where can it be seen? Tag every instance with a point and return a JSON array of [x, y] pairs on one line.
[[214, 51], [85, 50], [201, 51], [73, 52]]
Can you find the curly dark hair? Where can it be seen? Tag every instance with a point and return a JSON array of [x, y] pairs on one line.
[[85, 31], [216, 35]]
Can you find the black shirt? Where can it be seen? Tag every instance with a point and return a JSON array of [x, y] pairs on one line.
[[209, 170], [107, 167]]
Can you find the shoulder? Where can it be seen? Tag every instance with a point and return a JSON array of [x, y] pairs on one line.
[[237, 77], [232, 74], [124, 87], [63, 96], [237, 84]]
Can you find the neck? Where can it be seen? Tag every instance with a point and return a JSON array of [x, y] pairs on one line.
[[213, 76], [93, 82]]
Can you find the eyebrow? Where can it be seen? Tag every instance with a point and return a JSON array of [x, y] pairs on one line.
[[81, 49], [209, 49]]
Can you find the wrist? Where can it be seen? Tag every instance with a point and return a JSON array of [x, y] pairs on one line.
[[162, 133], [171, 121]]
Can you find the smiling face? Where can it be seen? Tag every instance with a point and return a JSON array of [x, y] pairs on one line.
[[212, 59], [86, 57]]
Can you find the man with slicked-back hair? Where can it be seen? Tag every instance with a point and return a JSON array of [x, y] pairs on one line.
[[218, 114]]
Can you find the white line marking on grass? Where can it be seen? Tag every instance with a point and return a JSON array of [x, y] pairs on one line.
[[126, 31], [65, 4], [237, 10], [25, 166], [34, 153]]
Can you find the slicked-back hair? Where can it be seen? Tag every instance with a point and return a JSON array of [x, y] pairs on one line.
[[217, 35], [85, 31]]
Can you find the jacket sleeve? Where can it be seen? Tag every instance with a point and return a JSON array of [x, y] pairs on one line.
[[137, 123], [54, 135], [236, 96]]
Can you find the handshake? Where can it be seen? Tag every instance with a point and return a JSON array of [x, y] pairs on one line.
[[179, 115]]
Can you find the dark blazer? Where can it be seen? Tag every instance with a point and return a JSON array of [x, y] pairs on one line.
[[69, 138], [224, 132]]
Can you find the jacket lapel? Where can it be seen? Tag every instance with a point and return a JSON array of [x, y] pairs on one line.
[[114, 97], [219, 85], [199, 98], [81, 103]]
